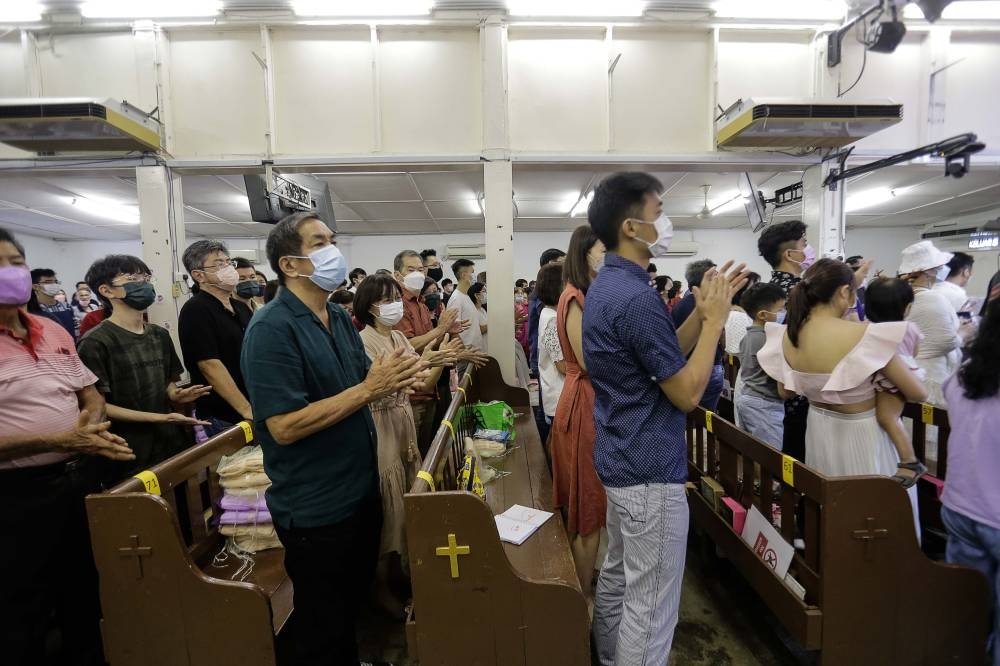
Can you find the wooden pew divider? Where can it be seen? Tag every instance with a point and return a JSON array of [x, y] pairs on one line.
[[872, 596], [163, 600], [477, 600]]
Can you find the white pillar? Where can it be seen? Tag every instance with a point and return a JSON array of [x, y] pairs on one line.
[[498, 179], [823, 211], [161, 214]]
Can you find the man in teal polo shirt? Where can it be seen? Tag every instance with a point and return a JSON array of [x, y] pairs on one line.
[[310, 382]]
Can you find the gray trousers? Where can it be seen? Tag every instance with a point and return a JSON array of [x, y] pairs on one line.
[[639, 589]]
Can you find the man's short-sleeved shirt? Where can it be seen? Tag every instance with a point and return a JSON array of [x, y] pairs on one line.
[[290, 360], [133, 370], [62, 314], [416, 321], [630, 346], [467, 311], [207, 330], [39, 378]]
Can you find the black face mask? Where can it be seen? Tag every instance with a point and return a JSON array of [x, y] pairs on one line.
[[432, 301], [138, 295], [435, 274], [249, 289]]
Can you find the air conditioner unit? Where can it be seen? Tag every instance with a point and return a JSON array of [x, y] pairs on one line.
[[252, 255], [59, 125], [453, 252], [964, 236], [771, 124], [683, 248]]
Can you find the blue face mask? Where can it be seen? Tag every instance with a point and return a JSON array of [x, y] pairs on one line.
[[329, 267], [779, 316]]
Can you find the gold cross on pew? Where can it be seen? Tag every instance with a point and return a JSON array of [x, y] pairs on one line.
[[136, 551], [452, 551], [869, 535]]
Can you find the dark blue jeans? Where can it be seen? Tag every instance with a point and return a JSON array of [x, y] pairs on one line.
[[216, 426]]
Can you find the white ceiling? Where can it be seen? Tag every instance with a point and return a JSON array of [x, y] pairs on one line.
[[445, 201]]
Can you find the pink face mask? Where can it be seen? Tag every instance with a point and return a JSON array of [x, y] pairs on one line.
[[15, 285], [809, 257]]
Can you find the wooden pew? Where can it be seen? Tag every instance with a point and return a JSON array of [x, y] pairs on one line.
[[930, 487], [507, 605], [872, 597], [164, 602]]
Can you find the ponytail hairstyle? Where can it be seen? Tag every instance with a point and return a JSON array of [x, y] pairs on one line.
[[819, 286]]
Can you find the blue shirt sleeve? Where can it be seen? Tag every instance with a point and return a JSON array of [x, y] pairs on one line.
[[649, 334], [534, 312], [273, 371], [682, 310]]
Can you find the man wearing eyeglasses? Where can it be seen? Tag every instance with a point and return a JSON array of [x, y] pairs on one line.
[[136, 366], [211, 326]]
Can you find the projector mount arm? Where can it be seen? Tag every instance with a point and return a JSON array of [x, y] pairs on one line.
[[835, 40], [956, 152]]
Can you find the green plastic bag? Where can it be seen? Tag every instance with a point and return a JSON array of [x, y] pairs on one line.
[[496, 415]]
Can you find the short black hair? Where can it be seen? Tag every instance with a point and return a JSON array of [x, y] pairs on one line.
[[243, 262], [661, 282], [445, 282], [521, 283], [549, 284], [373, 289], [430, 252], [38, 273], [284, 239], [752, 279], [886, 299], [356, 272], [7, 237], [854, 259], [79, 283], [651, 268], [761, 296], [695, 271], [271, 290], [460, 265], [104, 271], [550, 255], [616, 198], [778, 238], [342, 297], [475, 289], [959, 262]]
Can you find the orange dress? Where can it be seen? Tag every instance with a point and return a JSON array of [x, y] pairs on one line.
[[575, 484]]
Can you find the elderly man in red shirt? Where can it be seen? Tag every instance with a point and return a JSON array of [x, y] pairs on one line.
[[51, 428]]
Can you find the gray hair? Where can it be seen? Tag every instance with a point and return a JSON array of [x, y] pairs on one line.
[[696, 270], [198, 252], [397, 263], [284, 239]]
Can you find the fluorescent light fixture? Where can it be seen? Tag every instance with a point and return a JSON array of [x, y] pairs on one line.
[[727, 204], [362, 7], [813, 10], [13, 11], [144, 9], [983, 10], [106, 208], [581, 206], [573, 8], [870, 198]]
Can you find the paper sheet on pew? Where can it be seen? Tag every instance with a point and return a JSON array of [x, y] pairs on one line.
[[518, 523], [767, 542]]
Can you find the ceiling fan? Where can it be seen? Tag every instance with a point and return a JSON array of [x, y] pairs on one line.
[[705, 212]]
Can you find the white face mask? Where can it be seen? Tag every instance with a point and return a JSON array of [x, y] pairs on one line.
[[389, 314], [664, 234], [52, 289], [414, 281]]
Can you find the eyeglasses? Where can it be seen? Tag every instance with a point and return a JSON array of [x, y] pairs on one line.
[[220, 264], [133, 277]]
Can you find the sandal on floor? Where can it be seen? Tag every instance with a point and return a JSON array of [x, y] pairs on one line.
[[909, 481]]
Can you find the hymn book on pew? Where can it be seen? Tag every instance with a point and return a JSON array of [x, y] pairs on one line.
[[518, 523]]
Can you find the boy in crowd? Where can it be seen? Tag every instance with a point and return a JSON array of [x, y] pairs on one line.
[[50, 300], [759, 406], [136, 366]]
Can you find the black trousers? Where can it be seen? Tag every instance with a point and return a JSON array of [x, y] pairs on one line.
[[794, 440], [49, 580], [332, 568]]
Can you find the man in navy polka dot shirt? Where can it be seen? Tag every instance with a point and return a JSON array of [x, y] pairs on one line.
[[643, 386]]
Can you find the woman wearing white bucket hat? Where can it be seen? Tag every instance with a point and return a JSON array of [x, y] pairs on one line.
[[923, 266]]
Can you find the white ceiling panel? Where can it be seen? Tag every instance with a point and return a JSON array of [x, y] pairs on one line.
[[449, 185], [350, 187], [462, 226], [392, 211], [544, 208], [119, 190], [203, 190], [469, 208], [550, 184], [345, 212]]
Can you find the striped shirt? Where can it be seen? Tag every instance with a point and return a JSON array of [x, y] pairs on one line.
[[39, 378]]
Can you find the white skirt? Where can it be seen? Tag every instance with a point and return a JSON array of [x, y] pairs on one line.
[[852, 445]]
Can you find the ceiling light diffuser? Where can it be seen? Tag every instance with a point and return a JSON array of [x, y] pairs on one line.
[[576, 8], [20, 12], [581, 206], [106, 208], [727, 204], [814, 10], [144, 9], [362, 7], [870, 198]]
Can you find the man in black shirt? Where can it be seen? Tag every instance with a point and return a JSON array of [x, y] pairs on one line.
[[211, 327]]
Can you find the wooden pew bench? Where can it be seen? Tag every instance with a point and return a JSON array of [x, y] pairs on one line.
[[164, 602], [872, 597], [490, 603], [930, 486]]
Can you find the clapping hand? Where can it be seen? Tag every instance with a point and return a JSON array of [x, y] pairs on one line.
[[714, 297], [94, 439], [446, 354], [474, 356], [393, 372]]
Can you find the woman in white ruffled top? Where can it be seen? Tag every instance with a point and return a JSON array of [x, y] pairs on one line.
[[832, 362]]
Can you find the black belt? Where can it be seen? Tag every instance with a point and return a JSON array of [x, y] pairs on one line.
[[25, 474]]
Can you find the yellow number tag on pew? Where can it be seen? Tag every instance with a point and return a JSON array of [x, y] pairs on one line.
[[788, 469], [708, 421], [247, 431], [927, 413], [150, 481]]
